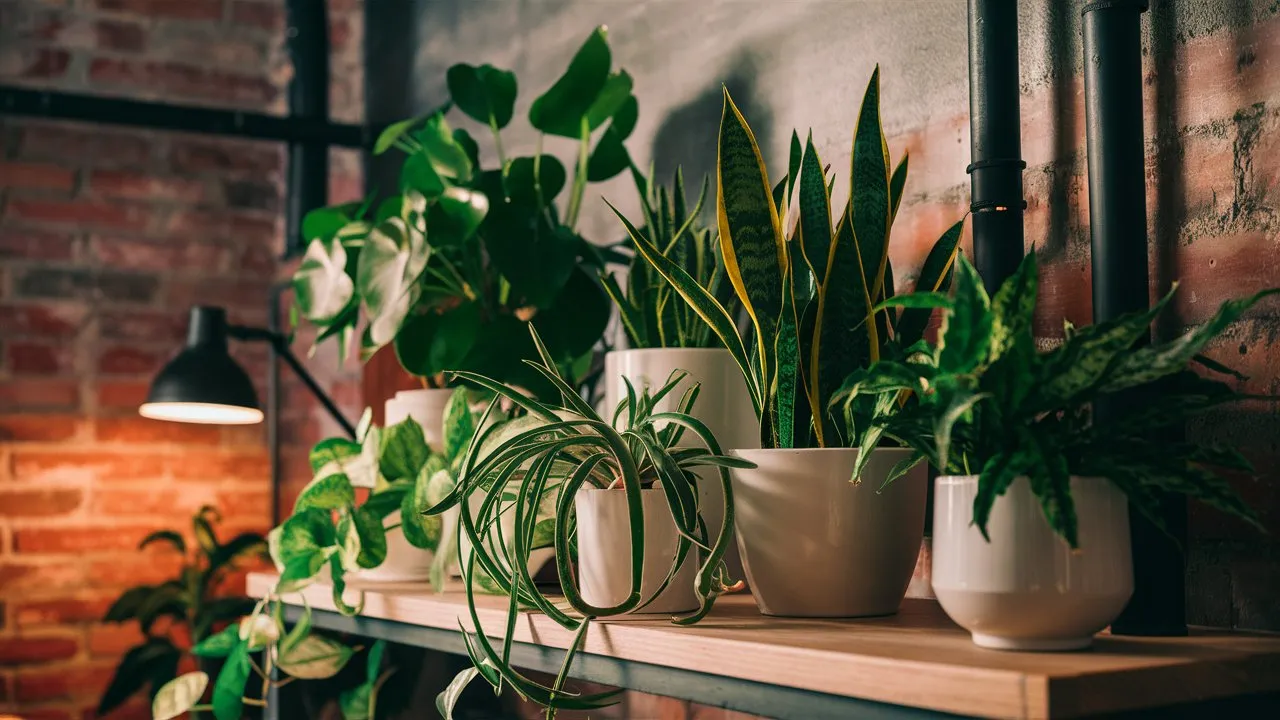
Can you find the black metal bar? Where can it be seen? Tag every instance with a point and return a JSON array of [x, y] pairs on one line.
[[1121, 279], [180, 118], [274, 404], [280, 345], [995, 118], [307, 175]]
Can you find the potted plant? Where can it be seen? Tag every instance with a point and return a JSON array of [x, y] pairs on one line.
[[813, 298], [191, 600], [450, 270], [627, 510], [1031, 532], [664, 334]]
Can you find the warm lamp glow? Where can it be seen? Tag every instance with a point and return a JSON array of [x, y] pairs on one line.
[[203, 413]]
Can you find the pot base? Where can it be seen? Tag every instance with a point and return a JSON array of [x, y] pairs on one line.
[[996, 642]]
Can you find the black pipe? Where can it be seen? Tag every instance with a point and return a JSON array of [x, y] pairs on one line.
[[1121, 279], [995, 117], [25, 102], [307, 178]]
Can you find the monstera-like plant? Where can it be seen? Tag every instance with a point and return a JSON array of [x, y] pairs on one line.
[[451, 268]]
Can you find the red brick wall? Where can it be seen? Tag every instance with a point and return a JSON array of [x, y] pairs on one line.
[[107, 236]]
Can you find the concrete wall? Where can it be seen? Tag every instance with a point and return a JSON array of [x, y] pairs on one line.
[[1213, 131]]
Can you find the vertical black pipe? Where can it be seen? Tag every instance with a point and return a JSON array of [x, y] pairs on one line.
[[995, 118], [307, 178], [274, 404], [1121, 280]]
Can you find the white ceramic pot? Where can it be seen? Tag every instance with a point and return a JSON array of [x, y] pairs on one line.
[[1026, 589], [426, 407], [723, 405], [604, 552], [404, 563], [815, 544]]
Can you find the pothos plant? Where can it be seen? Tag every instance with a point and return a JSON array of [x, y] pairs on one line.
[[189, 600], [810, 292], [990, 404], [451, 269], [652, 314], [556, 449]]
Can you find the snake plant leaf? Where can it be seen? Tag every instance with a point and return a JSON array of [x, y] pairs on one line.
[[751, 240], [897, 183], [793, 168], [844, 304], [393, 258], [485, 93], [373, 538], [521, 186], [329, 492], [1152, 363], [815, 213], [789, 384], [432, 342], [632, 318], [869, 208], [561, 109], [711, 311], [935, 276], [179, 695], [966, 330]]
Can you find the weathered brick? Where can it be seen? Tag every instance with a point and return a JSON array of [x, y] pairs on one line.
[[37, 358], [36, 176], [25, 578], [135, 186], [42, 502], [254, 13], [78, 539], [112, 640], [61, 611], [157, 255], [39, 394], [35, 245], [91, 144], [177, 9], [47, 320], [238, 465], [132, 360], [252, 195], [34, 63], [68, 464], [38, 428], [42, 282], [151, 501], [184, 80], [36, 650], [131, 569], [143, 430], [81, 213], [200, 155], [160, 326], [122, 395], [120, 36], [66, 682]]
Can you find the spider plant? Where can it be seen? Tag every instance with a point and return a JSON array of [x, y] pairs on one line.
[[557, 448], [810, 294]]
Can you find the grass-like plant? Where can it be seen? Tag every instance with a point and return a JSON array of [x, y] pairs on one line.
[[809, 295], [555, 449], [989, 404], [653, 315], [188, 600]]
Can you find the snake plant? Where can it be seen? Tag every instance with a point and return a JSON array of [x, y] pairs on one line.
[[810, 294], [989, 404], [555, 449]]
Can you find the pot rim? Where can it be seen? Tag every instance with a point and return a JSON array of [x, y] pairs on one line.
[[742, 452], [970, 479], [585, 489], [424, 391], [673, 351]]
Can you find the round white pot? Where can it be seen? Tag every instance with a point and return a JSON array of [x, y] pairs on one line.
[[604, 552], [815, 544], [426, 407], [404, 563], [1026, 589], [723, 405]]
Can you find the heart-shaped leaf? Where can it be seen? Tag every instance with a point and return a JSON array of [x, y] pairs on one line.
[[403, 451], [179, 695], [431, 343], [315, 658], [448, 158], [535, 258], [328, 492], [393, 259], [456, 215], [373, 539], [613, 96], [560, 110], [521, 187], [486, 94]]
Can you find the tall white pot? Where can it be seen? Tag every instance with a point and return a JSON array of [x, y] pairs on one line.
[[604, 552], [1027, 589], [406, 563], [723, 405], [815, 544]]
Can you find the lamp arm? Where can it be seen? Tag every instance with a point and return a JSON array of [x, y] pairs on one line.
[[281, 346]]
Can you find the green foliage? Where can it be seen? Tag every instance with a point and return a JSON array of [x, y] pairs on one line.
[[814, 293], [511, 471], [188, 601], [989, 404], [652, 313], [451, 270]]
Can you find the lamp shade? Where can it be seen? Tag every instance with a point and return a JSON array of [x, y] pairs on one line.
[[203, 384]]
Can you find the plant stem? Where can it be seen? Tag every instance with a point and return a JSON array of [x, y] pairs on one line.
[[497, 141], [579, 175]]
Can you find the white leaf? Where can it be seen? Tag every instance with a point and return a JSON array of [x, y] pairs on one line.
[[179, 695], [314, 658]]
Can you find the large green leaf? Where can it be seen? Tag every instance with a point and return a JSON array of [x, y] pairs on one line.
[[610, 155], [521, 185], [373, 539], [423, 531], [432, 342], [126, 606], [403, 450], [142, 664], [393, 258], [315, 657], [305, 533], [485, 93], [321, 286], [334, 454], [842, 335], [965, 338], [328, 492], [229, 689], [815, 213], [218, 645], [576, 318], [935, 276], [612, 98], [238, 547], [178, 696], [869, 209], [562, 108], [456, 215], [535, 257], [459, 426]]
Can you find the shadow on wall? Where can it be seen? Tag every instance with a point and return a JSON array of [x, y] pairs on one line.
[[687, 136]]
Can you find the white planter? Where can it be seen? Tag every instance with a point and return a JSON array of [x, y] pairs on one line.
[[723, 405], [426, 407], [604, 552], [1026, 589], [404, 563], [815, 544]]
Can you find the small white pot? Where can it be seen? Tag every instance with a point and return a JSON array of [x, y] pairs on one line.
[[1026, 589], [604, 552], [426, 407], [404, 563], [815, 544], [723, 405]]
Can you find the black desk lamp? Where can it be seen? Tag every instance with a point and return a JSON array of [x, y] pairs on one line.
[[203, 384]]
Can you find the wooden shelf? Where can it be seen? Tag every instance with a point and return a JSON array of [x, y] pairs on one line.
[[917, 659]]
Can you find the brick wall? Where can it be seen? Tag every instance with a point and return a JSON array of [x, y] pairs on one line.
[[107, 237]]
